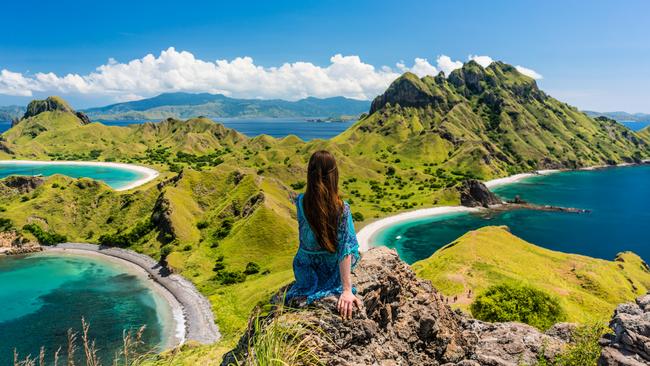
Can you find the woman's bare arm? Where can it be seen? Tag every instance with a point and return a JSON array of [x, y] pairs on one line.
[[347, 300]]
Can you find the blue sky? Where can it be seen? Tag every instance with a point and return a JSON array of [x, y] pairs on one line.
[[593, 54]]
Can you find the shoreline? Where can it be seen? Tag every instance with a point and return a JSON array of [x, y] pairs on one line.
[[149, 174], [367, 232], [190, 310]]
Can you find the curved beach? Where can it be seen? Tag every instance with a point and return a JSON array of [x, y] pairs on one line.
[[147, 173], [191, 311], [365, 235]]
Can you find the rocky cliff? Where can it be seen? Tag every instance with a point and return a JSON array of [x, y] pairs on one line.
[[474, 193], [629, 344], [404, 321]]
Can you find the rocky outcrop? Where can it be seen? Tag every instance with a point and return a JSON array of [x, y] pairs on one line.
[[50, 104], [11, 242], [404, 321], [629, 345], [83, 117], [22, 184], [473, 193]]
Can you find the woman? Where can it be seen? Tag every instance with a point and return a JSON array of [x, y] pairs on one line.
[[328, 250]]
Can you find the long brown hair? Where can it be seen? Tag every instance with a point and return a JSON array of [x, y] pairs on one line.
[[321, 203]]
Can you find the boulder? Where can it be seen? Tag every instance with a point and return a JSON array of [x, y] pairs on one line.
[[474, 193], [629, 345], [405, 321], [22, 184]]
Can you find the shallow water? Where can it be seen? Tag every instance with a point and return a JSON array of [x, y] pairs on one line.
[[43, 295], [115, 177], [619, 200]]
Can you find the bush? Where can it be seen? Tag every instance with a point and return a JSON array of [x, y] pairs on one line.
[[298, 185], [230, 277], [5, 224], [520, 303], [252, 268], [584, 348], [358, 216], [45, 237], [224, 230], [123, 240], [201, 225]]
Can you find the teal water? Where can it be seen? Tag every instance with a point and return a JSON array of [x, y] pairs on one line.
[[619, 200], [115, 177], [43, 295]]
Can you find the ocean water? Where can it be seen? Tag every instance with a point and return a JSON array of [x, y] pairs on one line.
[[115, 177], [636, 126], [276, 127], [619, 200], [43, 295]]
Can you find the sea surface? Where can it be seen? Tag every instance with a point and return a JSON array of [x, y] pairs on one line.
[[44, 295], [115, 177], [276, 127], [619, 200], [636, 126]]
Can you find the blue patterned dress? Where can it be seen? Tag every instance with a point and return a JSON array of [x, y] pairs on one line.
[[317, 270]]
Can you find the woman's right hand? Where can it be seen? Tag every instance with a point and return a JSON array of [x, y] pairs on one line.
[[347, 302]]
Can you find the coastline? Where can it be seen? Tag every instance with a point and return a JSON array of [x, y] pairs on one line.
[[366, 233], [149, 174], [191, 311]]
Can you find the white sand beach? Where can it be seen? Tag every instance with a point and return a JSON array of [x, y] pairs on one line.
[[147, 173], [190, 312]]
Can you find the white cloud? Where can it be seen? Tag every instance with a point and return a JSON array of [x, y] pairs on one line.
[[174, 70], [446, 65], [529, 72], [484, 61], [13, 83]]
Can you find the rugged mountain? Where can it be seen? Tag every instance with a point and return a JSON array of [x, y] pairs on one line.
[[488, 122], [588, 289], [186, 105], [628, 344], [620, 116]]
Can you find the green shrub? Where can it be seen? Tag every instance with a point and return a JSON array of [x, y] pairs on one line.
[[224, 230], [358, 216], [520, 303], [584, 349], [201, 225], [123, 240], [252, 268], [45, 237], [230, 277], [298, 185], [6, 224], [165, 250]]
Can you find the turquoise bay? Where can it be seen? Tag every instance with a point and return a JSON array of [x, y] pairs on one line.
[[43, 295], [116, 176], [619, 200]]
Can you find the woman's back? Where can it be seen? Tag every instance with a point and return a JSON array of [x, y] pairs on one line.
[[316, 269]]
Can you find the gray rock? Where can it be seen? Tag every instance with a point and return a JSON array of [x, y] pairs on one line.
[[629, 345], [473, 193], [404, 321]]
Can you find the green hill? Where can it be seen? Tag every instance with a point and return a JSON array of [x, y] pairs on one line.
[[222, 200], [588, 289], [187, 105]]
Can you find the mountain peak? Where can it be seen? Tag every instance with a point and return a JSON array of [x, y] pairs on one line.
[[49, 104]]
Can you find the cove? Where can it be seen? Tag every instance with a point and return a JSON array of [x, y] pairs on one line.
[[45, 294], [619, 200], [118, 176]]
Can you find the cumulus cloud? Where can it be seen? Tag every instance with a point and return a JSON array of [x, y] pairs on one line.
[[447, 65], [528, 72], [484, 61], [174, 70]]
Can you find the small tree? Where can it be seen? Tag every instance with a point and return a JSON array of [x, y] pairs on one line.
[[519, 303]]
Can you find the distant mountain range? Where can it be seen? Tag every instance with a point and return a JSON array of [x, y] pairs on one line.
[[621, 116], [7, 113], [187, 105]]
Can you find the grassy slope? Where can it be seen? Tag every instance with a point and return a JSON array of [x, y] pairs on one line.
[[430, 148], [588, 288]]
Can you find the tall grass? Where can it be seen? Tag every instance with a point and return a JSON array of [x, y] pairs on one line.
[[132, 352], [279, 342]]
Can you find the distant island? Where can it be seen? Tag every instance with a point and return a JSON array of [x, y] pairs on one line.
[[188, 105], [621, 116]]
